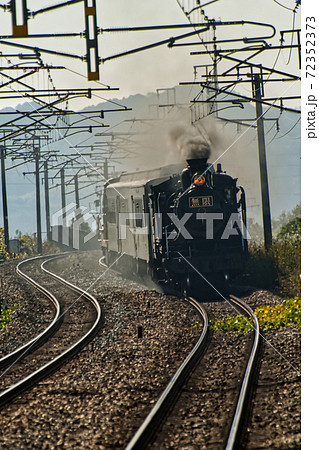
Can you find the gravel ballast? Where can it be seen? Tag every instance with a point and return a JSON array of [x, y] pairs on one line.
[[33, 314], [100, 397]]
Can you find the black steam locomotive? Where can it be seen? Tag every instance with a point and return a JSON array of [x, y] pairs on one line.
[[184, 229]]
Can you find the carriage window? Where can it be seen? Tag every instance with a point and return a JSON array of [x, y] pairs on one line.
[[123, 205], [138, 205], [138, 208], [111, 210]]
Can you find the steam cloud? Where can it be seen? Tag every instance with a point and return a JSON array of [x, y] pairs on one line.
[[189, 142], [173, 139]]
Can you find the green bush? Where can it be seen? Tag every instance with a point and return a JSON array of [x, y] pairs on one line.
[[291, 229], [28, 245], [287, 256], [238, 323], [287, 313], [279, 267], [5, 316]]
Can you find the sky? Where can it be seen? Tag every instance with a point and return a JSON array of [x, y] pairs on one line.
[[159, 67], [156, 68]]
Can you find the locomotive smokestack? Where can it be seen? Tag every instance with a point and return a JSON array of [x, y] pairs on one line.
[[197, 165], [194, 165]]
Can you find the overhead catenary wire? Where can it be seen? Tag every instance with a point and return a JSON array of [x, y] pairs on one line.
[[292, 36], [280, 137], [290, 129], [283, 6]]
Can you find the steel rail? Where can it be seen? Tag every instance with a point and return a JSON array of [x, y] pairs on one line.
[[55, 363], [146, 430], [240, 408], [101, 263], [41, 337]]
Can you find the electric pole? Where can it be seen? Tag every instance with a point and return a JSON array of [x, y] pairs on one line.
[[257, 94], [63, 197], [47, 201], [4, 198], [76, 191], [36, 150]]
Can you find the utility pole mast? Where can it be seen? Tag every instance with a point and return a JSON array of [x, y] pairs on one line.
[[63, 197], [257, 94], [4, 198], [76, 191], [47, 201], [36, 151]]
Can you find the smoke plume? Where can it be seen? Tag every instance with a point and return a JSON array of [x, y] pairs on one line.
[[189, 143]]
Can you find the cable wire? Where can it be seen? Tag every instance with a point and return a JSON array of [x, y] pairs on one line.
[[290, 129], [283, 6], [292, 36]]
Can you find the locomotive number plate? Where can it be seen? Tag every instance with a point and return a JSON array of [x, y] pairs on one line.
[[199, 202]]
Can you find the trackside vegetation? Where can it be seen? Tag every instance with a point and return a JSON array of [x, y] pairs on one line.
[[287, 313], [5, 316], [3, 249], [27, 246], [278, 268]]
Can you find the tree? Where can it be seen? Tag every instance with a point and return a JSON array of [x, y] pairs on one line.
[[292, 229], [284, 218]]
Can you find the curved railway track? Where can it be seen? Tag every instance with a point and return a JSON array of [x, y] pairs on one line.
[[102, 263], [23, 350], [241, 406], [54, 363], [204, 410], [159, 412]]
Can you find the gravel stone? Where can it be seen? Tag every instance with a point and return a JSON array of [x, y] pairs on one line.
[[34, 312], [99, 398]]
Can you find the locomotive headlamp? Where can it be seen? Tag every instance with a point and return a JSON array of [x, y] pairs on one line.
[[199, 180]]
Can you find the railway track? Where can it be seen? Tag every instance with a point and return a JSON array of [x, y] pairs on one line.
[[165, 403], [139, 369], [102, 263], [61, 340], [242, 406], [23, 350], [145, 434]]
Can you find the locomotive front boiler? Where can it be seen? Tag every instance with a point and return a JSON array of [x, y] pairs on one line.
[[209, 246]]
